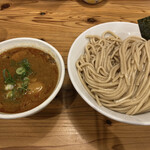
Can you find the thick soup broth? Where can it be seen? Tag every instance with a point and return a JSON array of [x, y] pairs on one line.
[[28, 76]]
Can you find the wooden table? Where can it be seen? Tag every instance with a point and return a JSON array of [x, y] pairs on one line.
[[68, 123]]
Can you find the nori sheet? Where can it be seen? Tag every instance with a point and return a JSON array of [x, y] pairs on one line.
[[144, 25]]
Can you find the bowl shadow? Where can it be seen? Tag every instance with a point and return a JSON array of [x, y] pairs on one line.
[[93, 127]]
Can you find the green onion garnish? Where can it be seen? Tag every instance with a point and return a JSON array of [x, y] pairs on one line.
[[7, 77], [17, 85], [20, 70]]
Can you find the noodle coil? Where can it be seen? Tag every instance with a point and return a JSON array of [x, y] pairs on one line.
[[116, 73]]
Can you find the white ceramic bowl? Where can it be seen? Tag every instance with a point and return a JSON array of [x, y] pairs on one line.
[[39, 44], [122, 29]]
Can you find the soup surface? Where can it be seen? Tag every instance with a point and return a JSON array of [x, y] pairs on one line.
[[27, 77]]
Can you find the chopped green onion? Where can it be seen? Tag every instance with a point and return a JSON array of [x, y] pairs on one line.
[[17, 85], [9, 87], [26, 79], [25, 63], [7, 77], [20, 70], [9, 94], [25, 83]]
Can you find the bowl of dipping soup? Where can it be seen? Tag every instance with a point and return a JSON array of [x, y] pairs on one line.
[[32, 73]]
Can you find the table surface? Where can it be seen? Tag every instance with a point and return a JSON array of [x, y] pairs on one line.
[[67, 122]]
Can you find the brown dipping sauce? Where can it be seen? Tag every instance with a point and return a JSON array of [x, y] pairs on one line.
[[41, 84]]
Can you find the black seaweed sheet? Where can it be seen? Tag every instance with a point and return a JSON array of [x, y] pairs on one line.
[[144, 25]]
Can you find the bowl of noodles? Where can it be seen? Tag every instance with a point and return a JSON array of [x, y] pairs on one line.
[[109, 66]]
